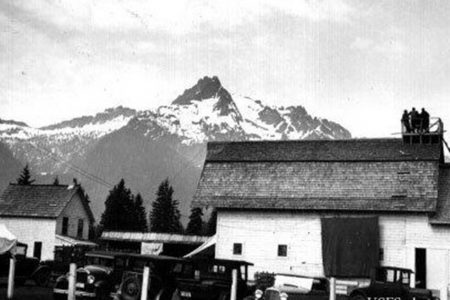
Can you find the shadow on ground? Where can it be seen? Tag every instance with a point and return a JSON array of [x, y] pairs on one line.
[[27, 292]]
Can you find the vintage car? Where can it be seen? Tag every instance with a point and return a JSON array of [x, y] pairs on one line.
[[118, 275], [210, 279], [26, 267], [295, 287], [387, 282], [64, 255]]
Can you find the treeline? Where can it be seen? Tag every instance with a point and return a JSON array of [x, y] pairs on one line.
[[125, 211]]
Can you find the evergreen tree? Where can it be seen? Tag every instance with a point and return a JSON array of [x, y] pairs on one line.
[[25, 177], [212, 224], [141, 216], [56, 181], [119, 214], [195, 225], [165, 216]]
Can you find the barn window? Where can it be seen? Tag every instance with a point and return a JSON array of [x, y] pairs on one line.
[[80, 228], [65, 225], [282, 250], [381, 254], [237, 249]]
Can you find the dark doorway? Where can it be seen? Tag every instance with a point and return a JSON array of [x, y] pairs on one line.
[[421, 268], [37, 250]]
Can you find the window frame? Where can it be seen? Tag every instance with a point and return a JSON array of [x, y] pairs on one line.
[[237, 248], [65, 226], [80, 229], [280, 252]]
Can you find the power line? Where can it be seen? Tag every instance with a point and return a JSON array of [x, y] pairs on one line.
[[73, 167], [180, 170]]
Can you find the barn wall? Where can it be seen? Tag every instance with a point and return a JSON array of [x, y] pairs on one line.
[[29, 230], [261, 232]]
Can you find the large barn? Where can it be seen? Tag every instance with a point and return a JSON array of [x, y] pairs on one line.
[[333, 208]]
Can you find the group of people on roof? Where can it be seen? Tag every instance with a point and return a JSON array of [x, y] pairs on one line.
[[416, 122]]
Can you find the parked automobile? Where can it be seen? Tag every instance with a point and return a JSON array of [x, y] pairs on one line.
[[26, 267], [64, 255], [210, 279], [119, 275], [296, 287], [391, 282]]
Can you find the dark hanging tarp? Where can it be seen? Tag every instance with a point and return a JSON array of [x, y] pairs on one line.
[[350, 246]]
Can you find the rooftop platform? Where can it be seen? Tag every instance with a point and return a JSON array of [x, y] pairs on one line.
[[431, 134]]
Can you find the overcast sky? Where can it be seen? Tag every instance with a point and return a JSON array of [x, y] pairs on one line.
[[359, 63]]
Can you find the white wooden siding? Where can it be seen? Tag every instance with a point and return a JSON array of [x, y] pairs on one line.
[[74, 211], [261, 232], [30, 230]]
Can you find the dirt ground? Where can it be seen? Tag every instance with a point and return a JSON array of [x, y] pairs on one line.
[[27, 292]]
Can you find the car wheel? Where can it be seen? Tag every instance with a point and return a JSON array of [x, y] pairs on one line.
[[131, 289], [357, 297], [102, 294], [165, 294], [59, 297], [176, 295], [224, 296], [42, 278]]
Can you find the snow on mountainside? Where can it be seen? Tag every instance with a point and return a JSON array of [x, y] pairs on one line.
[[208, 112], [67, 140], [145, 147]]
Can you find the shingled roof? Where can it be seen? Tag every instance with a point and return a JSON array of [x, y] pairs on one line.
[[442, 215], [358, 174], [39, 201], [322, 150]]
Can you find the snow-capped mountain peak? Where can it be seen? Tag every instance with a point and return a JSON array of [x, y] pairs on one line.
[[146, 146], [207, 111]]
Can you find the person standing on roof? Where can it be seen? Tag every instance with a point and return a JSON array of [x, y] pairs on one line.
[[405, 121], [425, 118], [415, 121]]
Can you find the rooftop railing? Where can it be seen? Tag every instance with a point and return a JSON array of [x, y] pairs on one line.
[[422, 131]]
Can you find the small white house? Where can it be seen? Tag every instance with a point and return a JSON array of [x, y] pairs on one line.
[[281, 204], [45, 216]]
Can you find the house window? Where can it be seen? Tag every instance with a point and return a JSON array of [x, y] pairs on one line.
[[80, 228], [381, 254], [237, 249], [65, 226], [37, 251], [282, 250]]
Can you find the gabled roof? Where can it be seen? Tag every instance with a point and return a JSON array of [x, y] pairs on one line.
[[376, 175], [322, 150], [39, 201]]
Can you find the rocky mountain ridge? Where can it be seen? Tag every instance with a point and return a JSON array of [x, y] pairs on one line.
[[145, 147]]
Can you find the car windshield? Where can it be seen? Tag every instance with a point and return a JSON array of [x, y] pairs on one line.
[[101, 261], [393, 276], [405, 278], [302, 283]]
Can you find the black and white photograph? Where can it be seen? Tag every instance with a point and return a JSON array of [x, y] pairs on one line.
[[224, 150]]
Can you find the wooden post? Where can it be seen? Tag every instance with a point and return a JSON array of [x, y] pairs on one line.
[[12, 271], [145, 278], [234, 285], [333, 288], [72, 281]]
